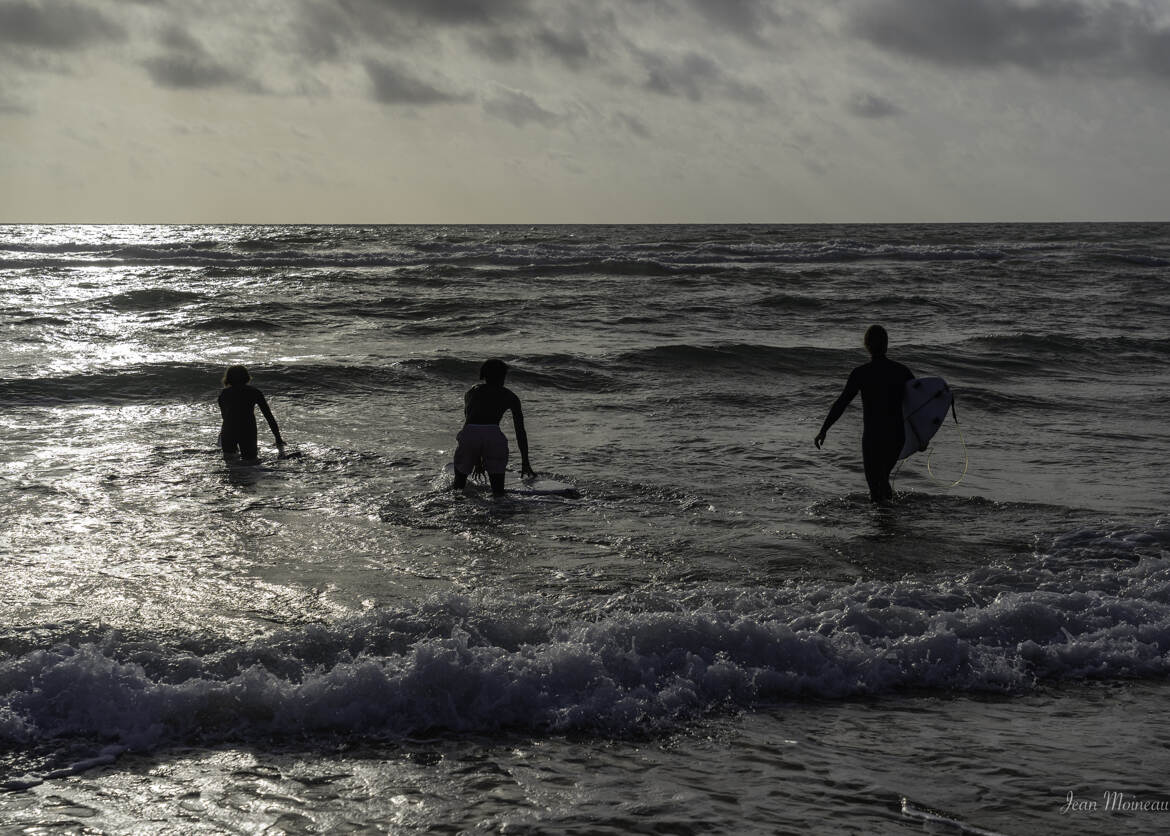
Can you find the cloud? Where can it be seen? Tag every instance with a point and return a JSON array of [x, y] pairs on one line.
[[572, 39], [182, 71], [632, 124], [871, 106], [746, 18], [693, 75], [323, 31], [497, 46], [1043, 37], [570, 48], [188, 66], [518, 108], [1153, 52], [456, 12], [12, 107], [58, 24], [395, 85], [175, 37]]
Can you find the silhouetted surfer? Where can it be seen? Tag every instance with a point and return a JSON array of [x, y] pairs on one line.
[[481, 441], [236, 404], [880, 382]]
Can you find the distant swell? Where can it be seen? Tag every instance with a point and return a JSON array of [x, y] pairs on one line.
[[743, 357], [1074, 350], [158, 382], [150, 299], [162, 382], [223, 323], [519, 257]]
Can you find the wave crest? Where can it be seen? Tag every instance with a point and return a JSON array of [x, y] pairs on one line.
[[629, 664]]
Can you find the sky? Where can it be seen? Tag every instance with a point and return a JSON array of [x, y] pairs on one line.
[[581, 111]]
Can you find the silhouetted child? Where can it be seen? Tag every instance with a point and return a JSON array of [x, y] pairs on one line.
[[482, 445], [237, 401]]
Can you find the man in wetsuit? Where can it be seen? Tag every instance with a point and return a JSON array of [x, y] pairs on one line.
[[481, 441], [236, 404], [881, 382]]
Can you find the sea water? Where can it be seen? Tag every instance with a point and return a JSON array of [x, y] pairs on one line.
[[718, 634]]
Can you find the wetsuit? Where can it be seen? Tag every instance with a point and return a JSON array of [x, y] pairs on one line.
[[881, 382], [481, 439], [236, 404]]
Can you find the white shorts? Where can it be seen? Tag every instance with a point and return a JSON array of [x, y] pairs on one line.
[[481, 443]]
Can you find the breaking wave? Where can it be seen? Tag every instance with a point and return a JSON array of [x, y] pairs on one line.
[[1095, 605]]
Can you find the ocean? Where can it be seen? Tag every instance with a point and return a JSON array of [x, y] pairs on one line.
[[715, 633]]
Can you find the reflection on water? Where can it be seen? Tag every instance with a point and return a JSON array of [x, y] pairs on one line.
[[718, 591]]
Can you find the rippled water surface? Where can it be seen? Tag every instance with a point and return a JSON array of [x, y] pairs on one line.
[[715, 633]]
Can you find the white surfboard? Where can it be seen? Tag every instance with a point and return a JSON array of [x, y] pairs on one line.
[[540, 486], [925, 403], [536, 487]]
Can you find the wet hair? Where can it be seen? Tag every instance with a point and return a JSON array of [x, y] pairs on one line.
[[493, 371], [877, 340], [236, 376]]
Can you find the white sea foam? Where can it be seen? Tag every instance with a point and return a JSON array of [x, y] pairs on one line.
[[489, 662]]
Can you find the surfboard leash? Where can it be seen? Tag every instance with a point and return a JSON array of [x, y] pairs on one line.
[[930, 454], [962, 441]]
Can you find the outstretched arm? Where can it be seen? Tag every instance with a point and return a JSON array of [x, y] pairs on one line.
[[852, 387], [521, 438], [271, 419]]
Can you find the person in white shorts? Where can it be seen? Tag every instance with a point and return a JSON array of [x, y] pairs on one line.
[[481, 441]]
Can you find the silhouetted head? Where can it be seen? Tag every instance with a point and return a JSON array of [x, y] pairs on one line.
[[236, 376], [494, 371], [877, 341]]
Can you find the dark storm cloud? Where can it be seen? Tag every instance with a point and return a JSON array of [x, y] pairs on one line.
[[59, 24], [518, 108], [870, 106], [693, 76], [396, 85], [1044, 36]]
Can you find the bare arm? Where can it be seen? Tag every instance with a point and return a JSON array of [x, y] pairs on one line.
[[270, 418], [521, 437]]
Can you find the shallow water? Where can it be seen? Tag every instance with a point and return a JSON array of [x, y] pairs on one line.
[[1000, 765]]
